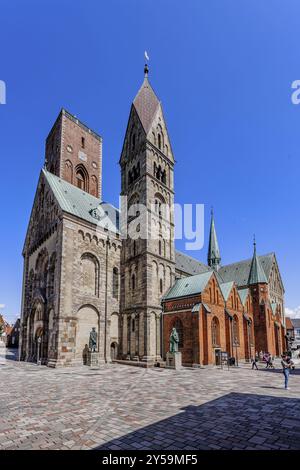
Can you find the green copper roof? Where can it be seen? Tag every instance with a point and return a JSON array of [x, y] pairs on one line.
[[257, 274], [226, 288], [187, 286], [273, 307], [243, 293], [213, 256], [81, 204]]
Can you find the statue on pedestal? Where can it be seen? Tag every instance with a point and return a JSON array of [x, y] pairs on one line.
[[174, 340], [93, 340]]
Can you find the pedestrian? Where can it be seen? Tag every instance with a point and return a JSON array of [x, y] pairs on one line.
[[270, 364], [267, 359], [286, 367], [254, 361]]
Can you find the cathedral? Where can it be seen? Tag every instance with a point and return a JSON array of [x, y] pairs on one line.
[[81, 273]]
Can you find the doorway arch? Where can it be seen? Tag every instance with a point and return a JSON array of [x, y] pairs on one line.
[[87, 318], [114, 351]]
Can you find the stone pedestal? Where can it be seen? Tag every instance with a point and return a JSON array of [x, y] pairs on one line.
[[92, 359], [174, 360]]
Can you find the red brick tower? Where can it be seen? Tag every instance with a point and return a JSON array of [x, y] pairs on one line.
[[74, 153]]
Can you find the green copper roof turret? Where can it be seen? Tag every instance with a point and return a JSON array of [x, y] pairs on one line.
[[213, 256], [257, 274]]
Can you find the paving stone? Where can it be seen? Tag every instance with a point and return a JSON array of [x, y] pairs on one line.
[[119, 407]]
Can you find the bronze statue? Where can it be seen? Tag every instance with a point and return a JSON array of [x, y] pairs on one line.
[[93, 340], [174, 340]]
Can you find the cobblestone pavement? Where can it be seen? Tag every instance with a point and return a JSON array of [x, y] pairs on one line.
[[123, 407]]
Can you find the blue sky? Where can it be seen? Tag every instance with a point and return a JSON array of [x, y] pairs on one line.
[[223, 70]]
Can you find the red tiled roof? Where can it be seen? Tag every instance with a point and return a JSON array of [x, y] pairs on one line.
[[288, 323], [8, 329]]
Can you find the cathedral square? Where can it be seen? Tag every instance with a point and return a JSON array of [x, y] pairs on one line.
[[107, 317], [73, 408], [149, 246]]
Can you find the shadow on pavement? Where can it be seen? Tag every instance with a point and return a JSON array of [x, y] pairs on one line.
[[234, 421]]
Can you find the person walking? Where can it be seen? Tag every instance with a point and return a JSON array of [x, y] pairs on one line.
[[267, 359], [286, 367], [254, 361], [271, 363]]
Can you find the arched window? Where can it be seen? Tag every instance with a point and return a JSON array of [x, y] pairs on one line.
[[215, 332], [90, 272], [251, 334], [81, 178], [133, 207], [214, 291], [159, 247], [115, 283], [52, 274], [159, 141], [179, 328], [161, 286], [68, 171], [133, 282], [159, 204], [94, 186], [235, 330]]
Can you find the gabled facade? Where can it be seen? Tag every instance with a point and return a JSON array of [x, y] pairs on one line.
[[210, 318], [253, 300]]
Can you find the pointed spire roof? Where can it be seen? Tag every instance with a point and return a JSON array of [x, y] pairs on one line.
[[146, 102], [257, 274], [213, 256]]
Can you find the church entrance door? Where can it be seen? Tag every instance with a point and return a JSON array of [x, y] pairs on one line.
[[218, 357], [113, 351]]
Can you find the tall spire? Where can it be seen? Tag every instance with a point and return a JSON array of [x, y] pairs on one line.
[[146, 102], [213, 256], [256, 274]]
